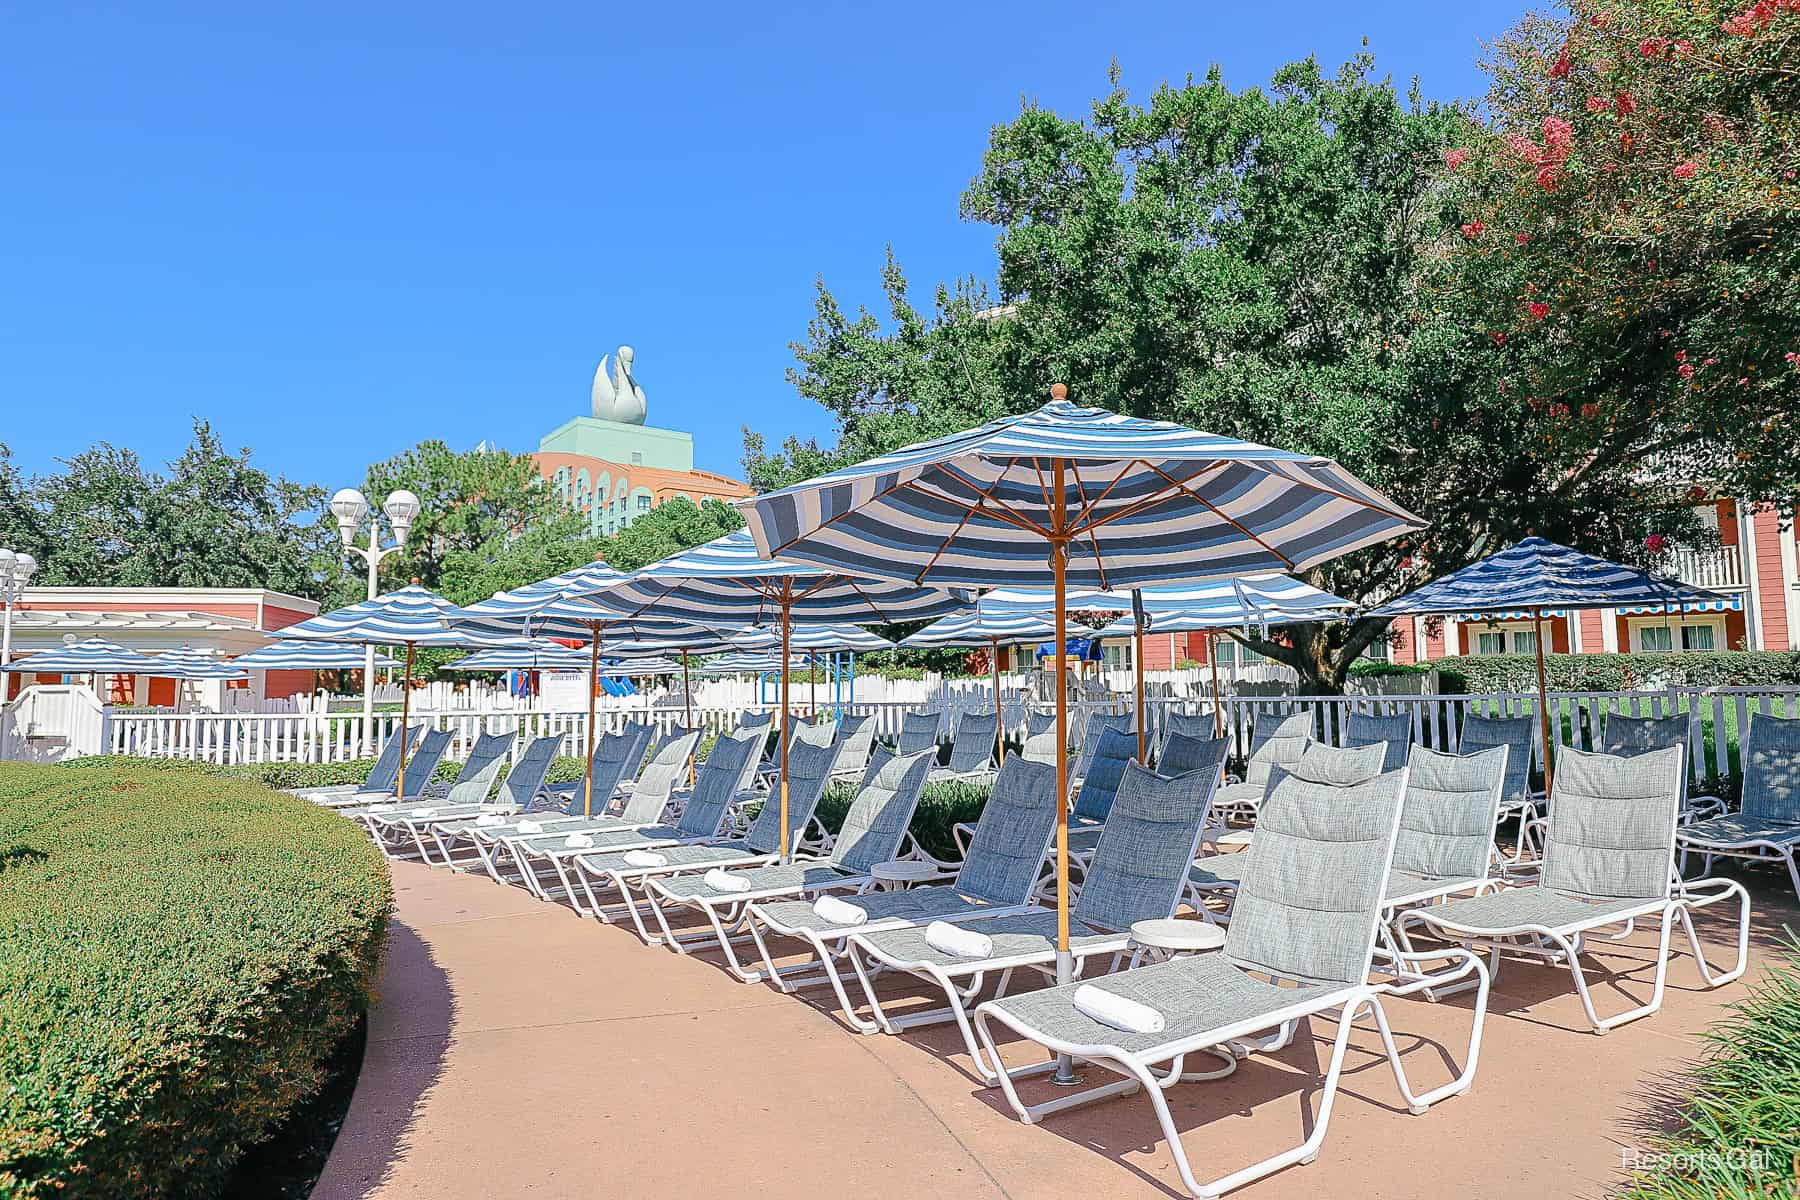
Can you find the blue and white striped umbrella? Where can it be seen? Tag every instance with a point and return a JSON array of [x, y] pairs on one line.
[[1139, 503], [1542, 577], [411, 616], [983, 627], [95, 656], [813, 637], [551, 608], [185, 662], [1070, 496], [747, 662], [727, 582], [308, 656], [530, 654], [1259, 601]]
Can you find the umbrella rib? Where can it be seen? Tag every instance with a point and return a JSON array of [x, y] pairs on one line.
[[1107, 491], [999, 508], [1086, 506], [1176, 486]]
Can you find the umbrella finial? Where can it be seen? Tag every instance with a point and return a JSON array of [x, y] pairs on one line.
[[1059, 391], [414, 581]]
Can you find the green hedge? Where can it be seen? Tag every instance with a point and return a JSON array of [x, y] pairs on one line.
[[566, 769], [941, 806], [1737, 1132], [179, 953], [1620, 672]]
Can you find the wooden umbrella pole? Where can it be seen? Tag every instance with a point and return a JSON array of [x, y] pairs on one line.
[[687, 707], [405, 715], [587, 803], [1537, 624], [1137, 657], [1212, 658], [786, 632], [999, 718], [1059, 553]]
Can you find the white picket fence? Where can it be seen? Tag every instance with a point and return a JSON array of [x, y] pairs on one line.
[[1719, 717]]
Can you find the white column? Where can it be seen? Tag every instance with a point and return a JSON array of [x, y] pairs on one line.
[[1753, 639], [1790, 572], [1609, 630]]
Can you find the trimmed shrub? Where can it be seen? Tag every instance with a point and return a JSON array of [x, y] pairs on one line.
[[941, 806], [1479, 673], [1737, 1132], [179, 954], [1372, 669]]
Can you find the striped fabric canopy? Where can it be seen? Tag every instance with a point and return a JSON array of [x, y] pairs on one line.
[[308, 656], [410, 616], [1268, 599], [1541, 576], [96, 656], [185, 662], [727, 582], [1144, 502], [529, 654], [748, 662], [982, 627], [812, 637]]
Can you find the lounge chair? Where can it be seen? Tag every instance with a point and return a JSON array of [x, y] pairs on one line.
[[1519, 736], [1040, 747], [1137, 874], [856, 738], [380, 780], [1447, 826], [600, 874], [1093, 799], [1039, 722], [815, 733], [487, 748], [1198, 726], [616, 759], [1183, 753], [871, 834], [918, 731], [997, 875], [1394, 732], [1096, 724], [1766, 827], [972, 748], [640, 822], [1301, 945], [398, 829], [1217, 876], [1626, 735], [1608, 862], [421, 765], [1272, 744], [522, 791]]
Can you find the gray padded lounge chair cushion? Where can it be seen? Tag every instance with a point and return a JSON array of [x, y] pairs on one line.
[[1184, 753], [1276, 743], [1007, 850], [1447, 822], [1307, 903], [1106, 767], [878, 818], [1628, 736], [716, 786], [809, 770], [972, 749], [918, 731], [1772, 770], [1140, 866], [1515, 733], [1394, 732], [1612, 824]]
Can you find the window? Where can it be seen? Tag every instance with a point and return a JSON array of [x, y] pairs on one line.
[[637, 458], [1524, 641], [1378, 651], [1657, 637], [1490, 643], [1696, 637], [643, 504]]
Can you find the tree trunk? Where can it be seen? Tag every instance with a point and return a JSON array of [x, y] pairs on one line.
[[1321, 651]]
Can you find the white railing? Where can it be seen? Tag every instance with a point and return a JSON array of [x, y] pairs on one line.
[[1713, 567], [51, 722], [1720, 717]]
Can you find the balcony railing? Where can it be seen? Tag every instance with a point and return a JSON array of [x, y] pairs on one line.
[[1715, 567]]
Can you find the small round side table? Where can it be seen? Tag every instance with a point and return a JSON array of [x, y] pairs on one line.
[[902, 873]]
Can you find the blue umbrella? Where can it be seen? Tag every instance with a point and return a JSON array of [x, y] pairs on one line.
[[529, 654], [411, 616], [727, 582], [185, 662], [813, 637], [1538, 577], [308, 656], [1111, 501], [95, 656], [990, 628]]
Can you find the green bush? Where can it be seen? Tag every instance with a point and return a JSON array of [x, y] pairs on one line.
[[1374, 669], [1479, 673], [941, 806], [179, 953], [1737, 1133]]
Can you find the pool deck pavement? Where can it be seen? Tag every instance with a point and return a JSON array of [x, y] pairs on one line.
[[517, 1049]]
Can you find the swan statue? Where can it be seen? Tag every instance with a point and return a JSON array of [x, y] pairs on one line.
[[616, 394]]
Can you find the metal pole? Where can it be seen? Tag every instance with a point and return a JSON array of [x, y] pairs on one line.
[[786, 632], [405, 715], [999, 718], [373, 557], [1537, 624], [1137, 654], [587, 803], [687, 707]]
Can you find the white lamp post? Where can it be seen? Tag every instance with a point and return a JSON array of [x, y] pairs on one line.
[[351, 509], [15, 570]]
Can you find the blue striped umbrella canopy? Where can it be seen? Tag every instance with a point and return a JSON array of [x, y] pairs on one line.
[[411, 616], [1260, 600], [982, 627], [1066, 495], [95, 656], [529, 654], [308, 656], [814, 637], [746, 662], [1535, 578], [185, 662]]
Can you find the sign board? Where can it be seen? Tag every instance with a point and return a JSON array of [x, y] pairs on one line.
[[563, 690]]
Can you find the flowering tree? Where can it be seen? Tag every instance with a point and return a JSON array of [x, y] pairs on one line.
[[1628, 238]]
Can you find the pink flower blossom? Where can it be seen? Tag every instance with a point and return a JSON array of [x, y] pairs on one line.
[[1685, 370], [1473, 229], [1560, 68], [1655, 543], [1558, 133], [1498, 337], [1686, 170], [1455, 158], [1681, 356], [1589, 411], [1598, 104], [1538, 310], [1651, 47], [1524, 147], [1560, 411], [1522, 239], [1546, 177], [1624, 104]]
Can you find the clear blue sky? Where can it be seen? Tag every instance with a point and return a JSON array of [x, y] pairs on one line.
[[336, 232]]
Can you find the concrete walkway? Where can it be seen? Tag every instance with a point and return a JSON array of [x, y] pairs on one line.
[[520, 1050]]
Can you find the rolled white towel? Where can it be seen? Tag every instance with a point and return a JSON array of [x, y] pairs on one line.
[[946, 938], [530, 827], [377, 810], [1116, 1011], [489, 820], [424, 812], [724, 881], [645, 858], [579, 841], [839, 912]]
